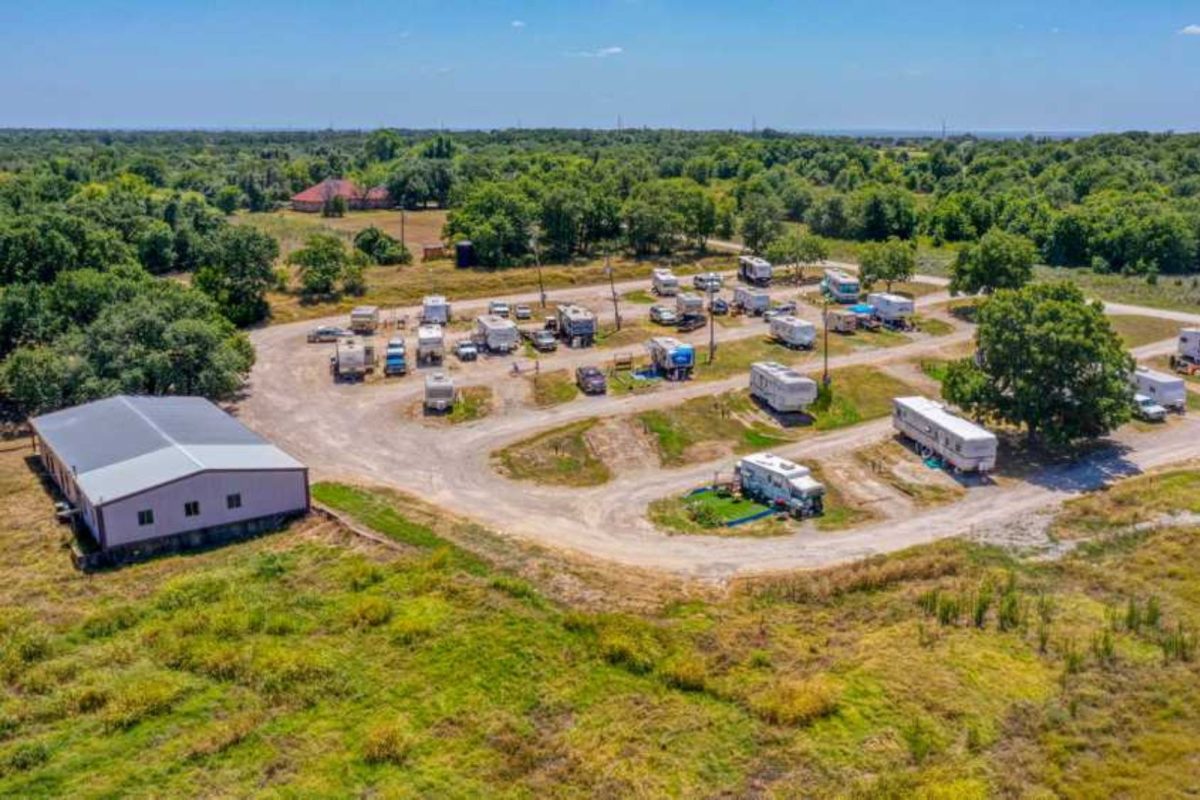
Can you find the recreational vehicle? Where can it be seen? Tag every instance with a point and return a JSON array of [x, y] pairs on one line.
[[576, 325], [663, 282], [956, 441], [435, 310], [781, 388], [841, 321], [439, 392], [671, 358], [840, 287], [353, 358], [893, 310], [751, 301], [497, 334], [1168, 391], [364, 319], [793, 332], [755, 270], [781, 484], [1186, 360], [431, 344]]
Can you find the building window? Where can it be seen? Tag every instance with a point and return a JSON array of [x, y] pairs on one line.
[[146, 517], [233, 500], [191, 508]]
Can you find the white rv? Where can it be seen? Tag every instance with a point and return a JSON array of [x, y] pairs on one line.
[[1186, 360], [497, 334], [751, 301], [840, 287], [892, 309], [958, 442], [781, 388], [781, 484], [689, 304], [439, 392], [1166, 390], [794, 332], [364, 319], [663, 282], [755, 270], [671, 358], [353, 358], [435, 310], [431, 344]]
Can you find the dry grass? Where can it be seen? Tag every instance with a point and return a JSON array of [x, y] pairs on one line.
[[553, 388], [904, 471], [560, 456], [1137, 330]]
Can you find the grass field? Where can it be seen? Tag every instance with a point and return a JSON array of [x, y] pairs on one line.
[[313, 664], [553, 388], [707, 514], [900, 468], [560, 456], [473, 403], [1137, 330]]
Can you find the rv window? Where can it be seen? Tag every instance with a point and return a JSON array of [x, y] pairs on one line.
[[146, 517]]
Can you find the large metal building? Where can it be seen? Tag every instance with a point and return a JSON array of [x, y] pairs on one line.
[[147, 473]]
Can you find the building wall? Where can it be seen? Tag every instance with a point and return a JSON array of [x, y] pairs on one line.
[[264, 493]]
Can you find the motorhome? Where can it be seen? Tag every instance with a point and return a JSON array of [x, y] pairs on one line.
[[751, 301], [395, 358], [1186, 360], [576, 325], [431, 344], [962, 444], [893, 310], [755, 270], [793, 332], [435, 310], [439, 392], [671, 358], [1168, 391], [781, 484], [840, 287], [781, 388], [497, 334], [364, 319], [663, 282]]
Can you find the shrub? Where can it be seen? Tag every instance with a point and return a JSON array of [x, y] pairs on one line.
[[108, 621], [686, 671], [515, 587], [189, 591], [358, 575], [796, 702], [24, 756], [140, 701], [369, 612], [388, 743]]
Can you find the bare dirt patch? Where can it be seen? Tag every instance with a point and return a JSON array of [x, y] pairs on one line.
[[622, 445]]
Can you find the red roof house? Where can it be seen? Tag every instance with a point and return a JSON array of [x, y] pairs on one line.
[[314, 198]]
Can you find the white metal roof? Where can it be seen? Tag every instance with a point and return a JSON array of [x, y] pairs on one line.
[[576, 312], [124, 445], [434, 300], [777, 464], [936, 414], [495, 322], [1160, 378], [429, 331], [780, 372], [793, 322], [885, 297], [364, 311]]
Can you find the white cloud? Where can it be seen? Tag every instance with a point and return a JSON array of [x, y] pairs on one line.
[[518, 23], [1190, 30], [602, 52]]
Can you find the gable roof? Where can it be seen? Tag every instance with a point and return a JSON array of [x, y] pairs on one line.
[[124, 445], [339, 187]]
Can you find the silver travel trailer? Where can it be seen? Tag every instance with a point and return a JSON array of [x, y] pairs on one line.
[[439, 392], [663, 282], [364, 319], [893, 310], [755, 270], [431, 344], [497, 334], [352, 359], [794, 332], [1167, 390], [781, 388], [751, 301], [956, 441], [576, 325], [840, 287], [1186, 360], [689, 304], [781, 484], [435, 310]]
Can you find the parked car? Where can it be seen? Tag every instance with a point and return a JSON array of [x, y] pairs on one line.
[[522, 311], [663, 315], [590, 380], [1146, 408], [328, 333], [708, 281], [781, 310], [544, 341], [466, 350], [719, 306], [498, 308]]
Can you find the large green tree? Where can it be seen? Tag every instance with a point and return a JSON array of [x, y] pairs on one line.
[[321, 261], [239, 272], [1000, 260], [1047, 360], [890, 261], [798, 250], [762, 221]]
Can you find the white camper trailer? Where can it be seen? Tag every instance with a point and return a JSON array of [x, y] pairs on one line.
[[1167, 390], [353, 358], [840, 287], [431, 344], [689, 304], [781, 484], [671, 358], [751, 301], [663, 282], [439, 392], [781, 388], [497, 334], [794, 332], [1186, 360], [364, 319], [958, 442], [893, 310], [435, 310], [755, 270], [576, 325]]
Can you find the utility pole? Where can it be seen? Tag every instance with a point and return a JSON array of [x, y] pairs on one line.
[[712, 329], [613, 286], [537, 259], [825, 320]]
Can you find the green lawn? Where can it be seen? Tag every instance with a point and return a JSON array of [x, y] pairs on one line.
[[473, 403], [1137, 330]]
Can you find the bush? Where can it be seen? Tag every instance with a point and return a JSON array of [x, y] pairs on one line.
[[796, 702], [108, 621], [23, 757], [369, 612], [139, 701], [190, 591], [686, 671], [388, 743]]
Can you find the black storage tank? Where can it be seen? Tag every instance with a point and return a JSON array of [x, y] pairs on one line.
[[464, 254]]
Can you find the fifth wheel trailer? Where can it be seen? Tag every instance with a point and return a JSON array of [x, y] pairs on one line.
[[1166, 390], [439, 392], [958, 442], [671, 358], [794, 332], [781, 484], [1186, 360], [497, 334], [752, 301], [663, 282], [755, 270], [781, 388], [893, 310]]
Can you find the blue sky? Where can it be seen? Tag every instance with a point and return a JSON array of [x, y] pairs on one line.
[[1046, 66]]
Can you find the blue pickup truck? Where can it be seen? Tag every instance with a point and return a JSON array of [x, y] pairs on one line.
[[395, 359]]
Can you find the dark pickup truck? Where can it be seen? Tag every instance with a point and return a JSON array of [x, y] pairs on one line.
[[590, 380]]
